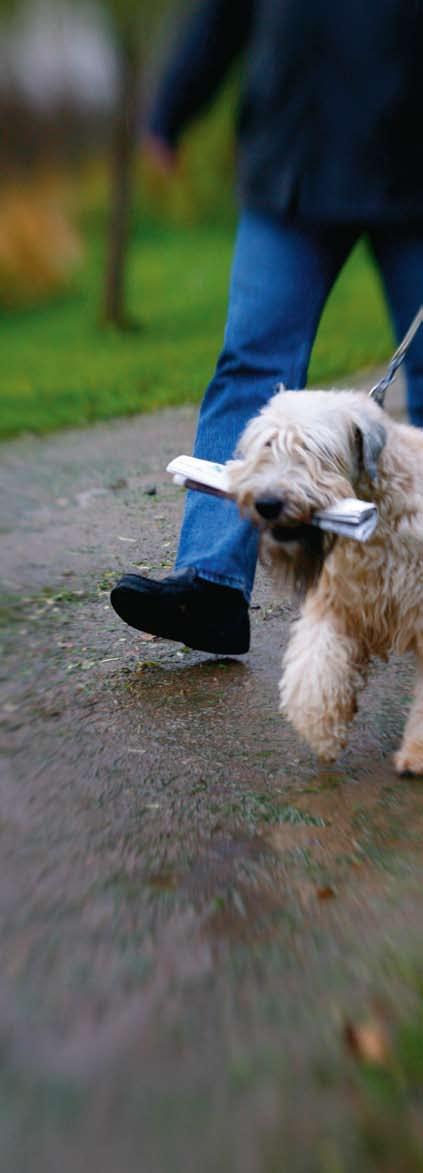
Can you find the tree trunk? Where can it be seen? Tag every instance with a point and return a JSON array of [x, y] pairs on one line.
[[122, 160]]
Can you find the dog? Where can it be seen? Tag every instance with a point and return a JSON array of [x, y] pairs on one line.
[[302, 453]]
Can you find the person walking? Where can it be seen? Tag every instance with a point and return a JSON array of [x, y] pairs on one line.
[[329, 148]]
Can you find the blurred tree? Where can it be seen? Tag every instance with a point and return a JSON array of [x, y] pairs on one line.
[[133, 23]]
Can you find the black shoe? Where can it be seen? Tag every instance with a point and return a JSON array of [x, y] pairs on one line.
[[186, 608]]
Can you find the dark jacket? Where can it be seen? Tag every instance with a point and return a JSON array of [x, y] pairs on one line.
[[331, 119]]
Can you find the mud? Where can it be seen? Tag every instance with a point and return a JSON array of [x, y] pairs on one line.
[[191, 910]]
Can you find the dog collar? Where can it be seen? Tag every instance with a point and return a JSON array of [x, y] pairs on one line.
[[378, 392]]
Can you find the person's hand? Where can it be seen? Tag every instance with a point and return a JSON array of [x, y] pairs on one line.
[[160, 156]]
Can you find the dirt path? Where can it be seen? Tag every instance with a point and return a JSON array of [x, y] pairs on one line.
[[195, 921]]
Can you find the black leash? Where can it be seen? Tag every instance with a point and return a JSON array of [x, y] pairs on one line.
[[378, 392]]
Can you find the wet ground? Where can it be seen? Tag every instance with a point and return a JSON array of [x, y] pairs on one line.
[[211, 951]]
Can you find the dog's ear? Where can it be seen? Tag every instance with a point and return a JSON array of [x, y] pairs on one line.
[[370, 436]]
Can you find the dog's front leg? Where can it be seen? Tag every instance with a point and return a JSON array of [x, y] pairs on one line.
[[409, 759], [321, 677]]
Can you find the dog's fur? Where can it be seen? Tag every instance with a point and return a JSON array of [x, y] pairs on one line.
[[309, 449]]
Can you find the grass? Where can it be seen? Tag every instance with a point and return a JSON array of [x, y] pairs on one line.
[[59, 368]]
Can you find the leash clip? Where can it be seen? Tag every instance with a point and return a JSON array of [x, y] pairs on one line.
[[378, 392]]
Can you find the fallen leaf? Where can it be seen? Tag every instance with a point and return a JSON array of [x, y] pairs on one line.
[[326, 893], [368, 1041]]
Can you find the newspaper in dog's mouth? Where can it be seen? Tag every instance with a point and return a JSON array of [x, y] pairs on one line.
[[349, 518]]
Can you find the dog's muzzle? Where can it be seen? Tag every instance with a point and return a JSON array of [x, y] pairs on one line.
[[271, 510]]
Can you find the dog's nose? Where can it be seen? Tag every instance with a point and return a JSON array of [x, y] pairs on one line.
[[268, 507]]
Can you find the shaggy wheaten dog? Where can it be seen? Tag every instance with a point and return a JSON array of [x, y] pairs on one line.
[[305, 451]]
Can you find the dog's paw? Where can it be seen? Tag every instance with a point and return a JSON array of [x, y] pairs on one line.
[[328, 748], [409, 761], [326, 740], [329, 754]]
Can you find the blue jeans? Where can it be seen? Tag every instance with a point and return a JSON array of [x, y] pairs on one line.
[[281, 277]]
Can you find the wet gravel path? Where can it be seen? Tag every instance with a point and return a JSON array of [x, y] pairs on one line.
[[193, 916]]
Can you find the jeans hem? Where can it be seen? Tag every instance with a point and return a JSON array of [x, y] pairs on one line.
[[227, 580]]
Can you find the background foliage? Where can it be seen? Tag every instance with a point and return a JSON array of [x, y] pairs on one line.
[[62, 368]]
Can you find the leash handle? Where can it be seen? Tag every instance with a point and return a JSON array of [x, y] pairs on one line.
[[378, 392]]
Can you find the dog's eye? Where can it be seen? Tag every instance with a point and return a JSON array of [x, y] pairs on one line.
[[268, 444]]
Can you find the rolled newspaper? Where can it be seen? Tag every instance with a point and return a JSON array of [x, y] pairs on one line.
[[350, 518]]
